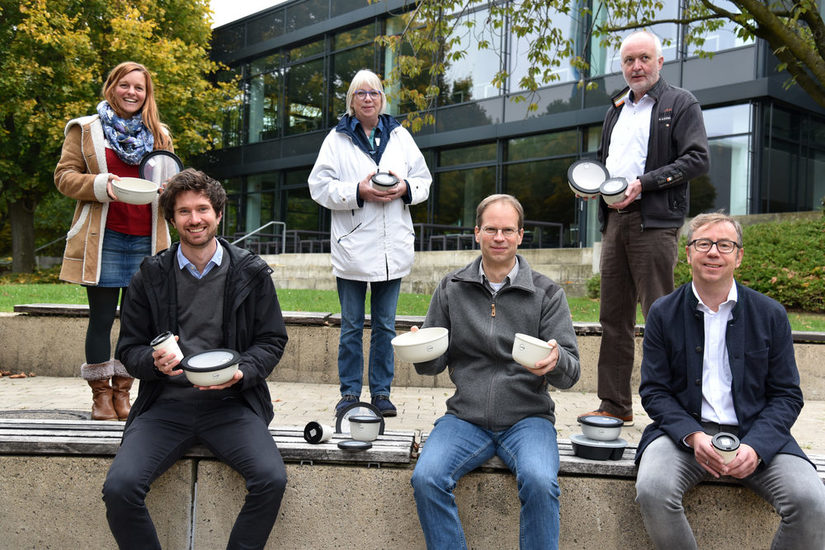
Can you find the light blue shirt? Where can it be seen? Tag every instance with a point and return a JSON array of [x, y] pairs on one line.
[[214, 261]]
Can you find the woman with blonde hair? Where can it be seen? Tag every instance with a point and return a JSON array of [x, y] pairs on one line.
[[108, 238]]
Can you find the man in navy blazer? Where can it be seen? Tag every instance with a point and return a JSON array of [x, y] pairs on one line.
[[718, 357]]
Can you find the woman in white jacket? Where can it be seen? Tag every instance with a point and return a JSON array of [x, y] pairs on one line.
[[372, 235]]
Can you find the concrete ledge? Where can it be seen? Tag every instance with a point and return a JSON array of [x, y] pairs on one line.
[[52, 345]]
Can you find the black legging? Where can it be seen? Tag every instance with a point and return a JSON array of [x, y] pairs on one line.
[[103, 303]]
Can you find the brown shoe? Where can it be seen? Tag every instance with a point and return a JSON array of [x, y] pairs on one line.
[[102, 406], [120, 396], [628, 420]]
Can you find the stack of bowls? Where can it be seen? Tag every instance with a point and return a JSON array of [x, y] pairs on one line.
[[599, 439]]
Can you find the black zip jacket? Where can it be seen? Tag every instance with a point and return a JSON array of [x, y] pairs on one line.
[[677, 152], [252, 324]]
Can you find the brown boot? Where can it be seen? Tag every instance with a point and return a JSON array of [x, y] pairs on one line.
[[97, 375], [121, 384]]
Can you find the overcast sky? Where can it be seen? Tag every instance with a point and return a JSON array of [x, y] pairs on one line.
[[226, 11]]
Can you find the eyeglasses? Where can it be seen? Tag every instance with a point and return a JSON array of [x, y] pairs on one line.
[[362, 94], [724, 246], [493, 231]]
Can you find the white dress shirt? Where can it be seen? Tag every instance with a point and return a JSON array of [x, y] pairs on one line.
[[717, 398], [627, 154]]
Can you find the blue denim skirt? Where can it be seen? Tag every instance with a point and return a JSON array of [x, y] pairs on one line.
[[121, 257]]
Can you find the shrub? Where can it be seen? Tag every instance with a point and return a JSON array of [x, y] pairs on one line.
[[593, 286], [784, 260]]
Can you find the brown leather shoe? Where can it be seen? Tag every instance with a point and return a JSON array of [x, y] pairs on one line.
[[628, 420], [102, 406], [120, 396]]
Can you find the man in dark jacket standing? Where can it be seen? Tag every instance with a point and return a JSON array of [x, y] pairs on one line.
[[211, 295], [718, 357], [653, 136], [500, 407]]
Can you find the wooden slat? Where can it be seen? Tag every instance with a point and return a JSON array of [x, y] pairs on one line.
[[86, 437]]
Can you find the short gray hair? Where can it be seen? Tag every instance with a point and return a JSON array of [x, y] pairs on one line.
[[509, 199], [365, 76], [712, 218], [656, 42]]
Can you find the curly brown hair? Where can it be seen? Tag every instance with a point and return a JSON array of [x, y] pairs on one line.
[[191, 180]]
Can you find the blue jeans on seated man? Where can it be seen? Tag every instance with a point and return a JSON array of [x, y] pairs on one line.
[[383, 303], [789, 483], [456, 447]]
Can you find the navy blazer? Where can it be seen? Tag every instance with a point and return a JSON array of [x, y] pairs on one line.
[[765, 385]]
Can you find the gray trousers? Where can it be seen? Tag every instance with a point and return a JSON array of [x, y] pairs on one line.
[[636, 266], [789, 483]]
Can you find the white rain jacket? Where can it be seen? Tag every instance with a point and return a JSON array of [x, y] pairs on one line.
[[369, 241]]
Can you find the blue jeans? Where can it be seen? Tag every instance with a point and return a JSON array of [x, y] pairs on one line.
[[456, 447], [789, 483], [383, 302]]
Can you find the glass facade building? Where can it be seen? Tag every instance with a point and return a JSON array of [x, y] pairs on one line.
[[294, 63]]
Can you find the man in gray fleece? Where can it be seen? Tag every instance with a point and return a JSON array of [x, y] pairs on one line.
[[499, 407]]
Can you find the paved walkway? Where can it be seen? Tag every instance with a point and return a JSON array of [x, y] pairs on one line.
[[298, 403]]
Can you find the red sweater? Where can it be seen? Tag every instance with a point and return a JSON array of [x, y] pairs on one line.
[[132, 219]]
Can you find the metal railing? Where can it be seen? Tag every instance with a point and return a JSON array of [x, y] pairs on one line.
[[259, 233]]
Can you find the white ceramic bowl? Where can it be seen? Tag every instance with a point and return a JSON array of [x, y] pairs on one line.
[[212, 367], [364, 427], [586, 176], [423, 345], [528, 350], [613, 190], [601, 428], [135, 190]]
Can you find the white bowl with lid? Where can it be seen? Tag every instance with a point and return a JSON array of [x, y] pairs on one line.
[[586, 176], [212, 367], [613, 190]]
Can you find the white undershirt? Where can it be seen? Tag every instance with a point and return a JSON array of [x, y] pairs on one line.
[[627, 154], [717, 398]]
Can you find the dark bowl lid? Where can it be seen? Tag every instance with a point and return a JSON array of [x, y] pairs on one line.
[[580, 439], [725, 441], [384, 179], [613, 186], [587, 176], [211, 360], [158, 166], [601, 421], [160, 338], [364, 419], [353, 445]]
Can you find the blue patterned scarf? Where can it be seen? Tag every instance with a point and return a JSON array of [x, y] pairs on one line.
[[128, 137]]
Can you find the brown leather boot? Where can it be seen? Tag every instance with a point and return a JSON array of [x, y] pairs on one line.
[[120, 397], [97, 375], [102, 406]]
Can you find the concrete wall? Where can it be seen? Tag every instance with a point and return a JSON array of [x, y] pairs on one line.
[[53, 346], [54, 503]]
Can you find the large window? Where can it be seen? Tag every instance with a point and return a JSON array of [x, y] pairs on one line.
[[471, 77], [355, 51], [727, 185], [305, 91], [723, 38], [264, 93]]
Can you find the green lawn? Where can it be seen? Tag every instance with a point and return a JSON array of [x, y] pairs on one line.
[[583, 310]]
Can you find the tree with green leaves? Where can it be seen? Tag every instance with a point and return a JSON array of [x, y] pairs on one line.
[[54, 58], [436, 30]]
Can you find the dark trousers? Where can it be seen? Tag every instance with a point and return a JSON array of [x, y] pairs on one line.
[[157, 438], [636, 266]]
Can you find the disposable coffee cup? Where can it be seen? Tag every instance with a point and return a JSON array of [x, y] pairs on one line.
[[167, 342], [315, 432], [726, 445]]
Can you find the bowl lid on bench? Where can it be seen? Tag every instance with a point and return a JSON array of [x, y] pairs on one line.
[[353, 445]]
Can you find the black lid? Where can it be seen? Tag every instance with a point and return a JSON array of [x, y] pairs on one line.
[[210, 360], [160, 338], [384, 179], [601, 421], [725, 441], [158, 166], [353, 445], [364, 419], [587, 175]]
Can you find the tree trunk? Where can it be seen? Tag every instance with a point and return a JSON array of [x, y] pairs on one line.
[[21, 214]]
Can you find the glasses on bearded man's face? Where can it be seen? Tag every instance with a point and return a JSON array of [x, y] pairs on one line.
[[507, 232], [724, 246], [362, 94]]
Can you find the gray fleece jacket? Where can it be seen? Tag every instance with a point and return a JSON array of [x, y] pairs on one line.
[[492, 390]]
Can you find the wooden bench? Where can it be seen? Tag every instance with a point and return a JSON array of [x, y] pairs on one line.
[[20, 436]]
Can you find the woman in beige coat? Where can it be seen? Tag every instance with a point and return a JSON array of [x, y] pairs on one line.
[[108, 239]]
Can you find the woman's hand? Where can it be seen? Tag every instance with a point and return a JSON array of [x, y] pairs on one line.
[[109, 189], [368, 193]]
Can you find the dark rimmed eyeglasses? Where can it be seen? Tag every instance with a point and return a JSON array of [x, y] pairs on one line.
[[362, 94], [724, 246]]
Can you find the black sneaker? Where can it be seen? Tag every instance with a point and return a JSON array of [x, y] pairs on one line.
[[383, 403], [345, 402]]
